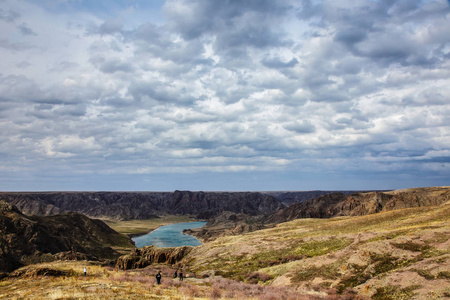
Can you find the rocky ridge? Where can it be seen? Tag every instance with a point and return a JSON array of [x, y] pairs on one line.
[[142, 205], [143, 257], [30, 239], [228, 223], [360, 204]]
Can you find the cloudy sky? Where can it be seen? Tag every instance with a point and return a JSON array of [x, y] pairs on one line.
[[224, 95]]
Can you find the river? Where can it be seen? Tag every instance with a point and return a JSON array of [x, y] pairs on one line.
[[170, 236]]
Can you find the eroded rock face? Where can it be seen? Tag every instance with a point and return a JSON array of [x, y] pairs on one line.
[[30, 239], [360, 204], [227, 223], [143, 257], [143, 205], [36, 272]]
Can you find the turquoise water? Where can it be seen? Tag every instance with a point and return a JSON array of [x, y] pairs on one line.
[[170, 236]]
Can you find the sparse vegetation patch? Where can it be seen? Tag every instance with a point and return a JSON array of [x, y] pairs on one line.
[[392, 292]]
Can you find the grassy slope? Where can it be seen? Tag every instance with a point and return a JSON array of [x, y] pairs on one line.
[[341, 253], [107, 283], [401, 254]]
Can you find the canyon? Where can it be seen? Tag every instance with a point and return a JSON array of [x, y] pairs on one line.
[[355, 245]]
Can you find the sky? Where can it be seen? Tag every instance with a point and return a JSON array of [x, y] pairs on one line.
[[251, 95]]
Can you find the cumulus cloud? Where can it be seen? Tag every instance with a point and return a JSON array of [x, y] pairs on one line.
[[344, 89]]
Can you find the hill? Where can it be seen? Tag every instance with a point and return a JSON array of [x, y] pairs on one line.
[[291, 197], [398, 254], [30, 239], [395, 254], [359, 204]]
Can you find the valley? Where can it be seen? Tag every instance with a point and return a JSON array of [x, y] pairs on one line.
[[373, 245]]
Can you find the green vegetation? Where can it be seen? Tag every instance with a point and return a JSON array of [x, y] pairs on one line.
[[427, 251], [345, 253], [391, 292], [329, 271]]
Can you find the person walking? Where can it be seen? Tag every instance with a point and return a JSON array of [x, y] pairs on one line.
[[180, 274], [158, 277], [85, 271]]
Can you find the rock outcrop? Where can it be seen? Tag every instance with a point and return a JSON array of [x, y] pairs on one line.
[[291, 197], [30, 239], [142, 205], [359, 204], [227, 223], [143, 257]]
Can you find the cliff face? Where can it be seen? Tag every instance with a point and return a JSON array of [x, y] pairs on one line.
[[143, 205], [143, 257], [209, 205], [213, 203], [25, 240], [359, 204], [289, 198], [227, 223]]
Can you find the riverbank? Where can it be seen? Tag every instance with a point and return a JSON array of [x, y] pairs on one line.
[[170, 236], [133, 228]]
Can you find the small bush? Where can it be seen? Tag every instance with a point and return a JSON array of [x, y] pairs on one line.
[[426, 274], [215, 293], [392, 292], [256, 277], [190, 290]]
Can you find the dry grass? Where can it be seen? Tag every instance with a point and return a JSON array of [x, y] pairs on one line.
[[392, 255], [341, 253], [107, 283]]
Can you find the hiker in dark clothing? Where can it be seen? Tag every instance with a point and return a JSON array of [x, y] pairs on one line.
[[176, 274], [181, 275], [158, 277]]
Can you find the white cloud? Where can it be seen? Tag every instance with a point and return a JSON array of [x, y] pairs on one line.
[[215, 86]]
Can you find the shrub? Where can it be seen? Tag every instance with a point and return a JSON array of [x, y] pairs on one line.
[[215, 293], [393, 292], [190, 290], [444, 275], [256, 277]]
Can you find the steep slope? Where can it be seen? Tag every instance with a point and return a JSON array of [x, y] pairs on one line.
[[291, 197], [210, 204], [228, 223], [359, 204], [142, 205], [25, 240]]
